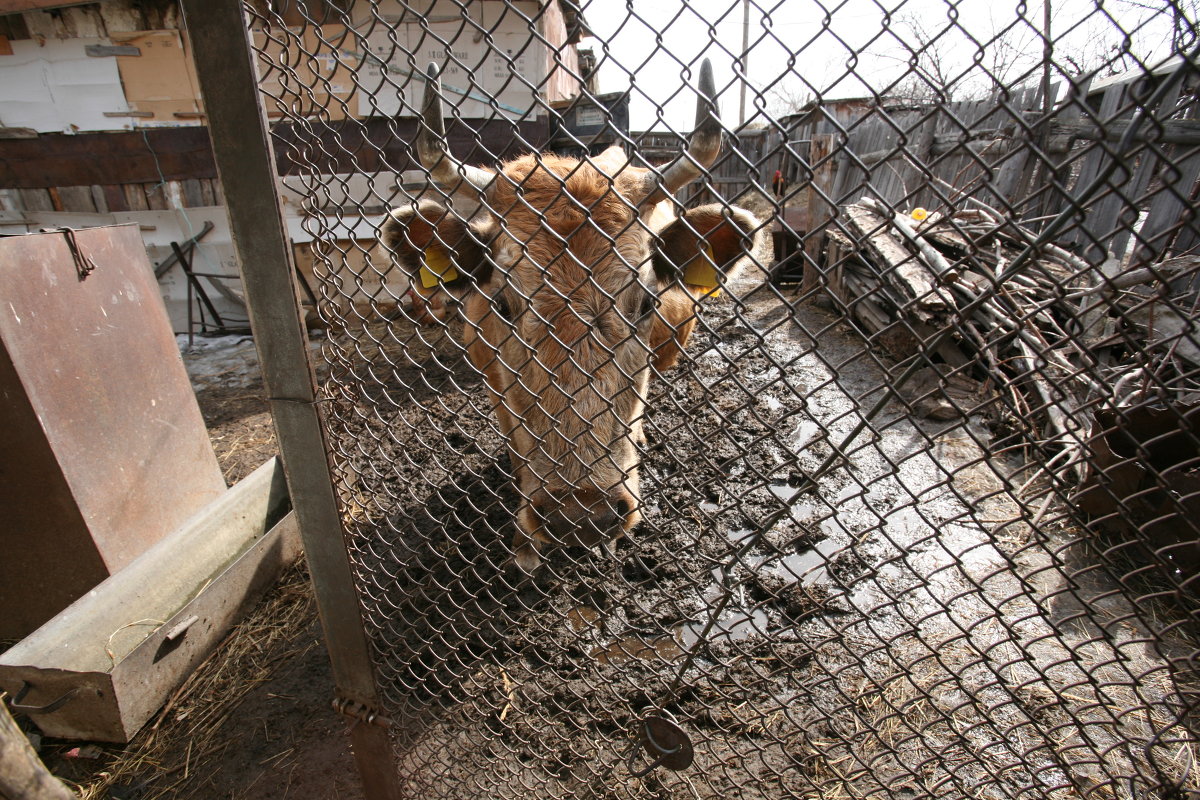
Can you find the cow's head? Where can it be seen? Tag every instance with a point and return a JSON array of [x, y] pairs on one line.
[[575, 280]]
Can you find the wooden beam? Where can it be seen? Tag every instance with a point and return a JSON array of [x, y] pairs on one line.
[[346, 146], [103, 159], [22, 773], [19, 6], [245, 150], [820, 211]]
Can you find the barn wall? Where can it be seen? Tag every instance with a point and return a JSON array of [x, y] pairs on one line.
[[102, 119]]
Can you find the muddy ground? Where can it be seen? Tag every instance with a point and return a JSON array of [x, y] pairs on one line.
[[895, 629]]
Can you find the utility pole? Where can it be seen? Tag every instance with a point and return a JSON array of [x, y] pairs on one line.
[[745, 61]]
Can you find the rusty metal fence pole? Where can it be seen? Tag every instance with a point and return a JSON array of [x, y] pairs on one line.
[[245, 160]]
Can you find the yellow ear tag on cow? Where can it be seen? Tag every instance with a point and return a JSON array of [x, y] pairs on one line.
[[702, 273], [435, 268]]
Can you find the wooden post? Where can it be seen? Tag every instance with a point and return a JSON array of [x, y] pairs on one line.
[[23, 776], [245, 157], [820, 211]]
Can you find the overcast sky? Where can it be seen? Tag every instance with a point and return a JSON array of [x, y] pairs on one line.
[[803, 47]]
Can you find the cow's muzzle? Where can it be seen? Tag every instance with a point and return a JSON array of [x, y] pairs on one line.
[[586, 518]]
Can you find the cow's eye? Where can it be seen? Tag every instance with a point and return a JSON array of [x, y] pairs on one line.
[[503, 307], [649, 301]]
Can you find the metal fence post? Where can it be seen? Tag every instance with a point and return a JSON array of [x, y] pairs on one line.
[[225, 66]]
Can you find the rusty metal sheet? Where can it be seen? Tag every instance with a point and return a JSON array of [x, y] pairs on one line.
[[105, 450]]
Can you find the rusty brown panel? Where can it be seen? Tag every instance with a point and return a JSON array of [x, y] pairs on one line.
[[121, 456], [32, 560]]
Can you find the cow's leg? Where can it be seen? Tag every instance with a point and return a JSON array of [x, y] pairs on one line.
[[525, 544], [525, 539], [672, 327]]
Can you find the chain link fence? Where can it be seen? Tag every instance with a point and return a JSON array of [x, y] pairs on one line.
[[833, 436]]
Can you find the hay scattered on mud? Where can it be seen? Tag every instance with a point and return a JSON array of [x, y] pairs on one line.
[[195, 723]]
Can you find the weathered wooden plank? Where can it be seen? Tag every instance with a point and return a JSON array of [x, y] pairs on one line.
[[978, 160], [210, 192], [106, 158], [99, 200], [1135, 189], [19, 6], [22, 773], [820, 212], [1114, 130], [1096, 158], [346, 146], [36, 200], [1026, 197], [883, 175], [921, 147], [1102, 220], [76, 198], [114, 198], [1167, 211], [156, 196], [135, 197], [193, 195]]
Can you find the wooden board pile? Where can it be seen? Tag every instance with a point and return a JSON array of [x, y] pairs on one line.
[[1060, 340]]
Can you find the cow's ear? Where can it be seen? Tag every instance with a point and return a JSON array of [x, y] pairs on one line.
[[436, 248], [705, 240]]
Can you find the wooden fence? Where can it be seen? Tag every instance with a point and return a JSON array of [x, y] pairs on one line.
[[1026, 158]]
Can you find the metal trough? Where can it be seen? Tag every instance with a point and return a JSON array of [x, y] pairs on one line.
[[102, 667]]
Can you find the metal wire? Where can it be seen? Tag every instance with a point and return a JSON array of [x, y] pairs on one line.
[[864, 464]]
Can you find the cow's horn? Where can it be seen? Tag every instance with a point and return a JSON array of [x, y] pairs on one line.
[[431, 142], [704, 145]]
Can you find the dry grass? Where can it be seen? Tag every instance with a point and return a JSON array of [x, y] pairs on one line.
[[248, 445], [194, 724]]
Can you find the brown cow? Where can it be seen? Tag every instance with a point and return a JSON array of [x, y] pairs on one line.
[[575, 279]]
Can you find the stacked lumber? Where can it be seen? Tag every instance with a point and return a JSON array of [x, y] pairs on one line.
[[1061, 339]]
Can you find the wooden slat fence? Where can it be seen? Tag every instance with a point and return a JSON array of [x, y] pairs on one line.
[[1003, 151]]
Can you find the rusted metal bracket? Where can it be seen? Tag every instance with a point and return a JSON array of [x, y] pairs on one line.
[[84, 265], [360, 712]]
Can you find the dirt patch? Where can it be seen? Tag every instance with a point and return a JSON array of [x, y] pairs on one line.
[[228, 383], [240, 426]]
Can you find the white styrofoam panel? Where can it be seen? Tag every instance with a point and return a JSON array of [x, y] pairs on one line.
[[55, 87]]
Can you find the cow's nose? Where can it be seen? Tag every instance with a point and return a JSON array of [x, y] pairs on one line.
[[586, 521]]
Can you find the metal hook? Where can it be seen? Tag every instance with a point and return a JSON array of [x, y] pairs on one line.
[[52, 706]]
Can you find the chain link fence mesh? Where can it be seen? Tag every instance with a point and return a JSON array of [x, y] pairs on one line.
[[916, 510]]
